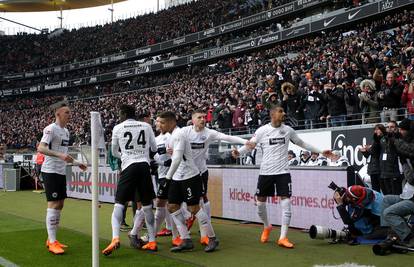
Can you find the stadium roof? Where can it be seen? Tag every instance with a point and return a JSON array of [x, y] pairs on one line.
[[49, 5]]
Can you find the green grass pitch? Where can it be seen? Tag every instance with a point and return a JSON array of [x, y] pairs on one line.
[[23, 234]]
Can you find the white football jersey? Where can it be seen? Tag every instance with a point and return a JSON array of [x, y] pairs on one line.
[[187, 168], [200, 142], [135, 140], [58, 140], [275, 145], [162, 141]]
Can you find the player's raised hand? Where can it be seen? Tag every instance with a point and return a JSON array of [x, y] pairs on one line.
[[235, 153], [83, 167], [330, 155], [365, 148], [169, 151], [250, 145]]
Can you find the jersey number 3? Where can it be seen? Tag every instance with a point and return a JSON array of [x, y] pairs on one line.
[[140, 141]]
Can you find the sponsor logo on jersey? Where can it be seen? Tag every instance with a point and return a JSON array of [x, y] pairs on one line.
[[276, 141], [161, 149], [197, 145], [65, 142]]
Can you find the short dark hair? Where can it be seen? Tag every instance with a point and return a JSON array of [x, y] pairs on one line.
[[168, 115], [128, 111], [393, 121], [143, 115], [198, 111], [54, 107]]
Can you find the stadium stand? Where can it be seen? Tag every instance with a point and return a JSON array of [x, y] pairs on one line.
[[235, 91]]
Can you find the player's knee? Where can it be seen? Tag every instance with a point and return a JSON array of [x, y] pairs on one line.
[[173, 208], [261, 199], [160, 203], [194, 209], [205, 198], [57, 205]]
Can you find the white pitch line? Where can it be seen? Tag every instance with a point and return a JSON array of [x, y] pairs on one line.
[[6, 263]]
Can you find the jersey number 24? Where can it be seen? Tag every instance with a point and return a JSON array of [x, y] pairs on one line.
[[140, 141]]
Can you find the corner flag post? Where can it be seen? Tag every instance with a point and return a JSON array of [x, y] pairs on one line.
[[96, 142]]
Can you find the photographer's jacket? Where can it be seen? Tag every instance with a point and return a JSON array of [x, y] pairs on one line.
[[373, 159], [388, 158], [406, 151]]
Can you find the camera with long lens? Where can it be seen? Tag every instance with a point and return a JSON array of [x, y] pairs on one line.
[[320, 232], [334, 187]]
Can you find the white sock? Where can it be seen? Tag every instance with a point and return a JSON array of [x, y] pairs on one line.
[[160, 215], [149, 221], [174, 229], [286, 215], [205, 223], [180, 223], [202, 229], [138, 222], [207, 209], [168, 220], [52, 223], [185, 211], [117, 216], [262, 212]]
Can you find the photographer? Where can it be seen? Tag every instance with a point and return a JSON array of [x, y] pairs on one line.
[[360, 209], [371, 153], [396, 208], [390, 178]]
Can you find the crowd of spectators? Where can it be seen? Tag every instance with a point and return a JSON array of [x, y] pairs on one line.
[[331, 79], [29, 51]]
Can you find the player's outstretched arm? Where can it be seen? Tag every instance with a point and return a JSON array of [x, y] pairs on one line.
[[299, 142]]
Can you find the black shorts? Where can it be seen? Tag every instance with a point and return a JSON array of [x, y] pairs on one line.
[[135, 183], [188, 191], [163, 188], [204, 178], [267, 183], [55, 186]]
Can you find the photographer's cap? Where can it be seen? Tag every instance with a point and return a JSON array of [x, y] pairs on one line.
[[356, 193]]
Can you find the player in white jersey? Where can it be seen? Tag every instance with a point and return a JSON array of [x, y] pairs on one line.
[[54, 145], [274, 139], [133, 141], [185, 185], [166, 123], [200, 139]]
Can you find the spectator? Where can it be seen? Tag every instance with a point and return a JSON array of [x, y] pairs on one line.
[[313, 105], [292, 158], [407, 97], [291, 103], [335, 98], [389, 98], [368, 101]]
